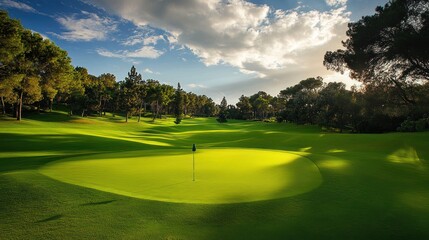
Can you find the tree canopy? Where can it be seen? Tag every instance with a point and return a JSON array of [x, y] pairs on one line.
[[387, 52], [389, 47]]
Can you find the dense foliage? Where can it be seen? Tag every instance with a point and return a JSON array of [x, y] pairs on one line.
[[35, 73], [386, 52]]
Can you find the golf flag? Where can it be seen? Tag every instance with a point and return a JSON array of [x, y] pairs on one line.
[[194, 148]]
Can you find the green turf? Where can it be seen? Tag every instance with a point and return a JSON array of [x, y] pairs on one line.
[[371, 185], [225, 175]]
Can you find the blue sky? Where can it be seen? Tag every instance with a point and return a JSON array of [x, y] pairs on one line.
[[213, 47]]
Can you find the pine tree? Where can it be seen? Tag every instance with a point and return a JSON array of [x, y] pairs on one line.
[[179, 103]]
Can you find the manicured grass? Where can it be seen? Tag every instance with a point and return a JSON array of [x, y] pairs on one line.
[[225, 175], [371, 185]]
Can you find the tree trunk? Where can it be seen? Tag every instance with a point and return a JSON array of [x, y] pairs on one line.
[[140, 111], [3, 106], [157, 108], [104, 107], [83, 113], [100, 108], [126, 117], [20, 107], [51, 103], [16, 110]]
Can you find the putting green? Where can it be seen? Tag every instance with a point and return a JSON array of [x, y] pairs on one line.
[[222, 175]]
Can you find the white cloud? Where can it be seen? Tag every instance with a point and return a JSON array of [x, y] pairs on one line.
[[17, 5], [194, 85], [282, 46], [144, 52], [106, 53], [143, 37], [87, 28], [147, 70], [336, 2]]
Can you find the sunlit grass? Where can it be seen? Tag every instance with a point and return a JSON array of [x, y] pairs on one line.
[[333, 164], [222, 175], [405, 155], [370, 186]]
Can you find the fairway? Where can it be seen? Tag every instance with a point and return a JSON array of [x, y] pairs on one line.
[[222, 175], [98, 178]]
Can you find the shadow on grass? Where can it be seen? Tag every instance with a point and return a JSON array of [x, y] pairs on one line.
[[98, 203], [29, 151], [49, 116], [53, 218]]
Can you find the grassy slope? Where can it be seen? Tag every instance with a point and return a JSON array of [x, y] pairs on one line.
[[374, 186]]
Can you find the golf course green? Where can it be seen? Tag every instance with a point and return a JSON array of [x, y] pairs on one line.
[[223, 175], [67, 177]]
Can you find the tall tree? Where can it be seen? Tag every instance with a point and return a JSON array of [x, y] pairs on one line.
[[223, 107], [10, 39], [165, 97], [260, 104], [388, 47], [105, 88], [131, 96], [244, 107], [178, 104], [301, 101], [153, 96], [10, 47], [56, 71], [335, 106], [142, 93], [29, 65], [223, 104], [7, 86]]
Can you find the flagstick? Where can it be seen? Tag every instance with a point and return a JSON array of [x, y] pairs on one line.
[[193, 166]]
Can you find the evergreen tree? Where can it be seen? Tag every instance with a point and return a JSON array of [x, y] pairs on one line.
[[223, 110], [178, 104], [130, 92]]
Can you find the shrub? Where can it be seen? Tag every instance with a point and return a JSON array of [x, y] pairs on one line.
[[221, 118], [178, 120], [421, 125], [414, 126]]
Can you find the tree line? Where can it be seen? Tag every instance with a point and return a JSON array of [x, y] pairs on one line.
[[370, 108], [387, 52], [35, 73]]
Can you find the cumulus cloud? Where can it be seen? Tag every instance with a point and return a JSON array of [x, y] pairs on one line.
[[86, 27], [336, 2], [284, 46], [144, 36], [17, 5], [144, 52]]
